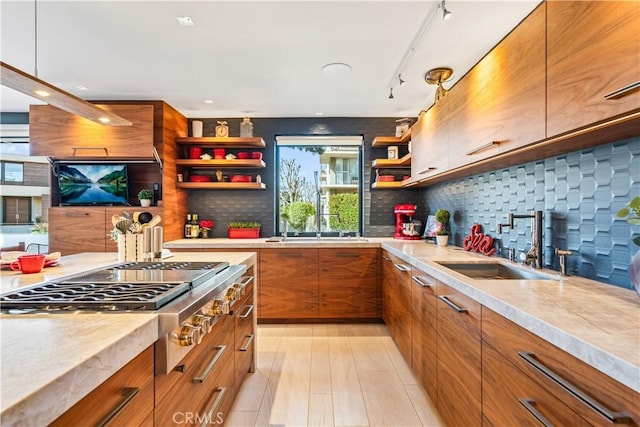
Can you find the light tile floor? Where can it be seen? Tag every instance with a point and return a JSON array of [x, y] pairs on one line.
[[330, 375]]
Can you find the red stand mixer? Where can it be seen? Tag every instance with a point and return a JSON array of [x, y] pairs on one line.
[[405, 226]]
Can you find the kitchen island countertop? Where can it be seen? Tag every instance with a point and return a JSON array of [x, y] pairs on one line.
[[51, 361]]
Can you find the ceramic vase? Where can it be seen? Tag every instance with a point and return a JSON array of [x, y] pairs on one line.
[[145, 203], [442, 240]]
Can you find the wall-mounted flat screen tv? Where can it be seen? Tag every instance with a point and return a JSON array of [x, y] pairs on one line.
[[93, 184]]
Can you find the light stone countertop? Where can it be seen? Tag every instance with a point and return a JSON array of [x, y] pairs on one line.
[[50, 361], [595, 322]]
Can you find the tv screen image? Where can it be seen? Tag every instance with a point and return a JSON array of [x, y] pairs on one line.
[[93, 184]]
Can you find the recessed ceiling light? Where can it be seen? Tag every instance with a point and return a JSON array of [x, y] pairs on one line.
[[42, 93], [208, 101], [336, 68], [319, 113], [185, 21], [104, 120], [80, 87]]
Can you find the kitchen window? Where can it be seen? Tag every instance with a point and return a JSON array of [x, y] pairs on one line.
[[12, 172], [319, 185]]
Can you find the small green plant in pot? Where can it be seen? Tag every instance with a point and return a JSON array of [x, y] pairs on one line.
[[244, 229], [145, 197], [442, 235]]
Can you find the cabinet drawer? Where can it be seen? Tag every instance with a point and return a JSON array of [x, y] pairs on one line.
[[126, 398], [68, 228], [511, 398], [533, 355], [196, 379], [459, 358], [423, 330], [244, 337]]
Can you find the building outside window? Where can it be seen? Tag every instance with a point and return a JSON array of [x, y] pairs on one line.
[[319, 182], [12, 172]]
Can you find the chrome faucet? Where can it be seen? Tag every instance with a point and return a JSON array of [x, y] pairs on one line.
[[534, 255]]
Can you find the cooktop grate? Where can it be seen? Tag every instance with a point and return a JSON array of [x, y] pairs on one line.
[[113, 296]]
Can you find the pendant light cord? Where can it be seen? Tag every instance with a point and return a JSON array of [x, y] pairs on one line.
[[35, 21]]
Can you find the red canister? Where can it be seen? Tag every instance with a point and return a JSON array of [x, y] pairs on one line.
[[218, 153], [195, 152]]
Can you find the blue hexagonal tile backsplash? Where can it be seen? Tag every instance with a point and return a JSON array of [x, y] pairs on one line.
[[579, 194]]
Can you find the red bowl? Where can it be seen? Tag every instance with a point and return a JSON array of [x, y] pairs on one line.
[[256, 155], [200, 178], [243, 155], [386, 178], [218, 153], [241, 178]]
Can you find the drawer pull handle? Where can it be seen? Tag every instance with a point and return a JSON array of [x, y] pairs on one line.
[[612, 417], [128, 394], [75, 214], [209, 416], [212, 363], [347, 255], [453, 305], [530, 405], [249, 341], [106, 152], [386, 258], [427, 170], [619, 93], [247, 313], [289, 255], [401, 267], [248, 280], [483, 147], [421, 282]]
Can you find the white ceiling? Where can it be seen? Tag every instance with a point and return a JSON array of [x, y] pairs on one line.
[[256, 58]]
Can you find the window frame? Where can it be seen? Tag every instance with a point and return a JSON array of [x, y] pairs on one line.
[[280, 141], [4, 173]]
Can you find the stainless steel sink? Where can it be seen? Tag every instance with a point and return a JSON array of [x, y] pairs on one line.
[[493, 271], [316, 240]]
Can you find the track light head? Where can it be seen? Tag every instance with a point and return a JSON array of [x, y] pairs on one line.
[[402, 82], [390, 93], [446, 13]]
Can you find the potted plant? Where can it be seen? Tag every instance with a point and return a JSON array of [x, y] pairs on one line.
[[244, 229], [205, 226], [145, 197], [631, 212], [442, 235]]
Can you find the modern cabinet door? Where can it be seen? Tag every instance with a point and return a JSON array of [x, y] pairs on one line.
[[288, 284], [423, 331], [511, 398], [592, 51], [397, 303], [430, 142], [78, 229], [596, 397], [499, 105], [126, 398], [348, 283], [59, 134], [459, 358]]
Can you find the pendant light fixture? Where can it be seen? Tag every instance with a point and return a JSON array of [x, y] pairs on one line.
[[31, 85], [446, 13]]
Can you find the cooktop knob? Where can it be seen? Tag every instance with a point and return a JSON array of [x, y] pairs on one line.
[[189, 335], [204, 322]]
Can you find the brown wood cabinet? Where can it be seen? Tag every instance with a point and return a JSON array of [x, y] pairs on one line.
[[511, 398], [424, 358], [459, 358], [592, 51], [430, 142], [288, 284], [603, 399], [180, 395], [84, 229], [126, 398], [348, 283], [59, 134], [499, 105], [244, 311], [396, 301]]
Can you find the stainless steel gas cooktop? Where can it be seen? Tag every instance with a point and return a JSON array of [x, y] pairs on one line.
[[127, 286]]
